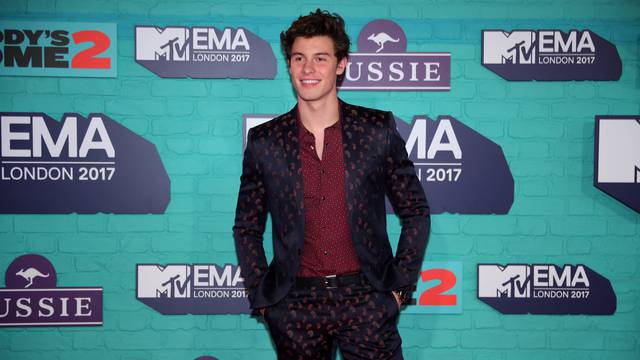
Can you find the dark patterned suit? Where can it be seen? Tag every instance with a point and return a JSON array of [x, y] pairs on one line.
[[376, 164]]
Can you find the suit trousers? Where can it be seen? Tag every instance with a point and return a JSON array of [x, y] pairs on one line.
[[310, 322]]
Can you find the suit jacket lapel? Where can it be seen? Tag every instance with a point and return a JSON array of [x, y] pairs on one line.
[[349, 122], [292, 151]]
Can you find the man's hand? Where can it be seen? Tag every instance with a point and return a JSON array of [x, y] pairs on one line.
[[397, 297]]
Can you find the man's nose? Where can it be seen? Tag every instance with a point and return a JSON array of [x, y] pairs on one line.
[[307, 67]]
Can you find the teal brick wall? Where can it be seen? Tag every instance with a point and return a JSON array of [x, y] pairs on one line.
[[545, 130]]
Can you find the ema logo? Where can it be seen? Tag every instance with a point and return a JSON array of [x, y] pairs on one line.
[[383, 63], [58, 49], [451, 161], [192, 289], [617, 158], [439, 289], [83, 165], [545, 289], [32, 298], [523, 55], [204, 52]]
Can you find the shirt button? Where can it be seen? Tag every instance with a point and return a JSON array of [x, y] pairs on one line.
[[323, 198], [326, 253]]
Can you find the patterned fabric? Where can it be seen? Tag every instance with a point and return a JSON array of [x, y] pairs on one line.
[[376, 164], [328, 248], [309, 323]]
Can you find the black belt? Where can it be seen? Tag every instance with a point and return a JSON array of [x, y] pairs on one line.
[[332, 281]]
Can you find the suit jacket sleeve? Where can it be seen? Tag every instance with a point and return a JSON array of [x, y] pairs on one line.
[[410, 204], [251, 215]]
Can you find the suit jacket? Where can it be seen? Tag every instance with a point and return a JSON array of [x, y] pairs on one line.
[[376, 164]]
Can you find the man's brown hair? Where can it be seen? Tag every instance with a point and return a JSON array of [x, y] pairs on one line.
[[317, 23]]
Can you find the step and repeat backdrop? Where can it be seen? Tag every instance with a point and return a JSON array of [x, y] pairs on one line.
[[122, 128]]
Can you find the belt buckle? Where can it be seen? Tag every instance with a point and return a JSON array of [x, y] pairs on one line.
[[330, 282]]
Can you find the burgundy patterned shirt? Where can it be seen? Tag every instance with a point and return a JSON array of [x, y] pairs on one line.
[[328, 248]]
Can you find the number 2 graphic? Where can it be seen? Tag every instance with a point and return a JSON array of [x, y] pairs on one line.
[[433, 296], [86, 59]]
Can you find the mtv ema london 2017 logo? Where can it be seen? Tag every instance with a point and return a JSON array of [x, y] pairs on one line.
[[192, 289], [58, 49], [460, 170], [383, 63], [545, 289], [617, 158], [524, 55], [31, 297], [204, 52], [83, 165]]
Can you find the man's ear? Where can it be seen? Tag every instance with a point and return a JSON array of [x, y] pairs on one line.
[[342, 65]]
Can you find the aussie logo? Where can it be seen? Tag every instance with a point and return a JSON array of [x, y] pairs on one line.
[[523, 55], [439, 289], [383, 63], [58, 49], [204, 52], [545, 289], [452, 162], [32, 298], [617, 158], [78, 164], [192, 289]]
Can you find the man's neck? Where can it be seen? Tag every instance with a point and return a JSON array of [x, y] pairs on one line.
[[320, 114]]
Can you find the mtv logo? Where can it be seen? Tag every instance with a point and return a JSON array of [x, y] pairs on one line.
[[617, 158], [171, 281], [501, 47], [619, 151], [497, 281], [168, 44]]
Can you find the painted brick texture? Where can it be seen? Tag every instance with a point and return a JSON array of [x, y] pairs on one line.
[[545, 130]]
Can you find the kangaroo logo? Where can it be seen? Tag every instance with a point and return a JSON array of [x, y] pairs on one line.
[[30, 274], [380, 39]]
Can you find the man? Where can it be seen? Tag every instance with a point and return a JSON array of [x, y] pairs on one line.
[[322, 170]]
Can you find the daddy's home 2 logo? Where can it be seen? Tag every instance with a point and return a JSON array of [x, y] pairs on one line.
[[525, 55], [545, 289], [383, 63], [31, 297], [617, 158], [58, 49], [204, 52], [78, 164], [460, 170], [192, 289]]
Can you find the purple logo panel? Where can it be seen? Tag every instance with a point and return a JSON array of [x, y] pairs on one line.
[[548, 55], [545, 289], [617, 158], [398, 71], [460, 170], [51, 307], [84, 165], [204, 52], [192, 289], [382, 63], [32, 298]]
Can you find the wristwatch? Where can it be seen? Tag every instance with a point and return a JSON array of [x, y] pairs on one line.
[[405, 295]]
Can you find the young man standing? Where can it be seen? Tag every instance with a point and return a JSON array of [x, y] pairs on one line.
[[322, 170]]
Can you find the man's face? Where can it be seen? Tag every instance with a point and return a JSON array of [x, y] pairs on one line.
[[313, 68]]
